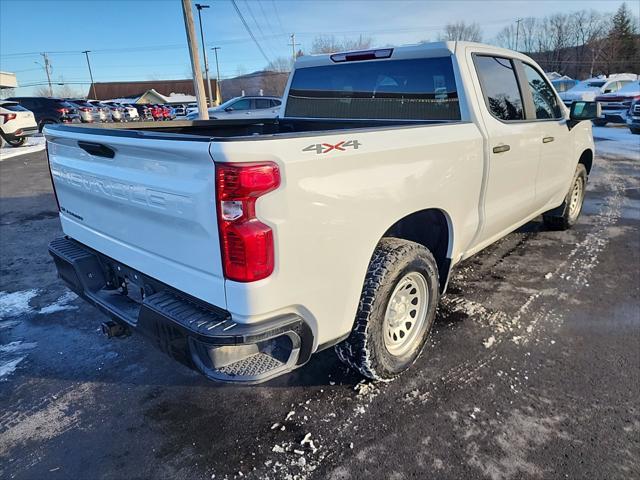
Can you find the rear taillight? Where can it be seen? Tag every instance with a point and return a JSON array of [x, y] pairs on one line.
[[8, 116], [85, 109], [62, 110], [246, 243], [53, 185]]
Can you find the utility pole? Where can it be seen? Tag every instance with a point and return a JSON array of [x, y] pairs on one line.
[[218, 86], [47, 66], [195, 60], [200, 6], [293, 48], [517, 32], [93, 85]]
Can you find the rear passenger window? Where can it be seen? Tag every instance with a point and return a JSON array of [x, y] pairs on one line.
[[263, 103], [544, 99], [500, 87], [409, 89]]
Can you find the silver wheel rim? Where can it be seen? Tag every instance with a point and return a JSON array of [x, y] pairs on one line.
[[406, 314], [575, 202]]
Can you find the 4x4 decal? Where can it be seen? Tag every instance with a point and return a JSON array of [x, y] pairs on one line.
[[342, 146]]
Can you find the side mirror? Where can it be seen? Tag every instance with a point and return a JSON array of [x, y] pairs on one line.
[[585, 111], [228, 109]]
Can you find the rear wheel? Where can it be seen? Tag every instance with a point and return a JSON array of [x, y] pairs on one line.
[[567, 214], [397, 308], [18, 142]]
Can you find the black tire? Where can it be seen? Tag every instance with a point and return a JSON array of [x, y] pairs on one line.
[[18, 142], [635, 131], [565, 217], [599, 123], [365, 349]]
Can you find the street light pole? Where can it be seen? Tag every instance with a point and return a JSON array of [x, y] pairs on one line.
[[218, 86], [200, 6], [93, 85]]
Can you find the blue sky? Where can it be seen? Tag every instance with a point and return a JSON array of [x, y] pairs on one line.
[[145, 39]]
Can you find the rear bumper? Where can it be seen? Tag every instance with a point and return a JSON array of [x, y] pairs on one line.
[[196, 334], [21, 132]]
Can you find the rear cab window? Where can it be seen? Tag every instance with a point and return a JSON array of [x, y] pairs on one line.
[[404, 89]]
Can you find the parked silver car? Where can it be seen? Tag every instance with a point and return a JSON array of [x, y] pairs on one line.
[[243, 107], [88, 113], [103, 109]]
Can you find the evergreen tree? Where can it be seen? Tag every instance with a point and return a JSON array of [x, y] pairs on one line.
[[623, 41]]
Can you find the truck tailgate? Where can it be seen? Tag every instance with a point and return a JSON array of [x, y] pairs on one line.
[[149, 204]]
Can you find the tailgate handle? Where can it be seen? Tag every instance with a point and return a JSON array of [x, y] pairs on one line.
[[97, 149]]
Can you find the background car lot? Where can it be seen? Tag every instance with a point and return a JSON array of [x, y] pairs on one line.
[[533, 358]]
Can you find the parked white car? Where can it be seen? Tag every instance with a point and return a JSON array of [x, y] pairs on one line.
[[243, 107], [242, 248], [131, 113], [16, 123], [588, 90]]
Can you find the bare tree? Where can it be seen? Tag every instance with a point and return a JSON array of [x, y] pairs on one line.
[[330, 44], [462, 31], [41, 91], [280, 64]]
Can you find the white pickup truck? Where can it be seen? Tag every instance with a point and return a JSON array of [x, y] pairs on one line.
[[243, 247]]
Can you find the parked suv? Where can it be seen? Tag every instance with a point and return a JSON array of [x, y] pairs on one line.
[[49, 110], [16, 123], [244, 107], [633, 117]]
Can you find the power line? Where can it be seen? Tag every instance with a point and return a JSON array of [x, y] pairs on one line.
[[246, 26], [262, 35], [275, 8]]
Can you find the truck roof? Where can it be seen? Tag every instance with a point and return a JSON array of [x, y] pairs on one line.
[[419, 50]]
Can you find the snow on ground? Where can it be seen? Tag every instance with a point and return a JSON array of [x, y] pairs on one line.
[[617, 140], [34, 144]]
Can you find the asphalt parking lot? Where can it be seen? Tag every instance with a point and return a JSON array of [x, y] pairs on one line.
[[532, 371]]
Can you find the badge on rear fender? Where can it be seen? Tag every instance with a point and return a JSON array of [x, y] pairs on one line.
[[321, 148]]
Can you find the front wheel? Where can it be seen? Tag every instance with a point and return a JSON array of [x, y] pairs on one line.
[[396, 310], [599, 123], [635, 131], [567, 214]]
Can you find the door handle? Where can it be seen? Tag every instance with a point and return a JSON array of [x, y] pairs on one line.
[[97, 149], [501, 148], [548, 139]]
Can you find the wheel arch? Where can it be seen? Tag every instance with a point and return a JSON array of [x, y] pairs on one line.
[[586, 159], [432, 228]]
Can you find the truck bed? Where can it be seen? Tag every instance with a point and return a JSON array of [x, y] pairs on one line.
[[230, 130]]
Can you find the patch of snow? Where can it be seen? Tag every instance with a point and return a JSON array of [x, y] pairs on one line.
[[14, 347], [16, 303], [61, 304], [33, 144], [617, 140], [8, 367], [489, 342]]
